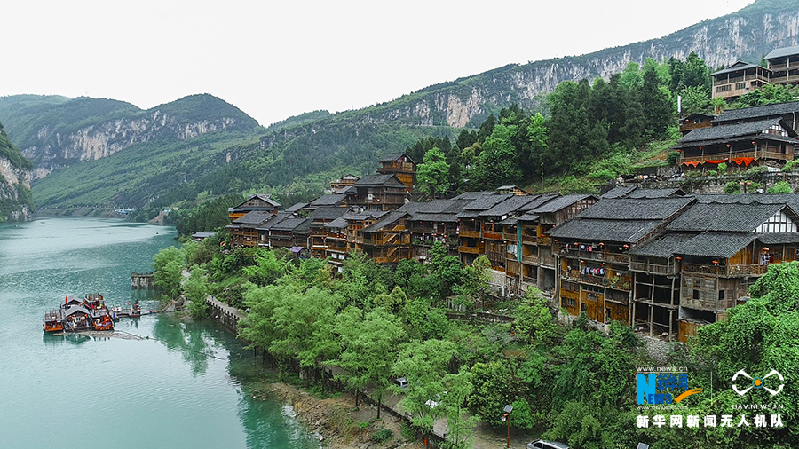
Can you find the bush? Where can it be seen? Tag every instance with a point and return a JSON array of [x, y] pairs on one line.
[[602, 175], [673, 157], [712, 173], [693, 174], [382, 435], [780, 187], [790, 166], [732, 187], [755, 172], [722, 167]]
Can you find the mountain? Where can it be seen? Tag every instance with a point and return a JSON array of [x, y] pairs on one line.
[[16, 202], [107, 153], [55, 132]]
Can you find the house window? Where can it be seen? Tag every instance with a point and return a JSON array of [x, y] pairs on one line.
[[724, 88], [739, 86], [696, 294]]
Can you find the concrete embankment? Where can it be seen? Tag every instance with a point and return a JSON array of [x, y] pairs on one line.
[[224, 314]]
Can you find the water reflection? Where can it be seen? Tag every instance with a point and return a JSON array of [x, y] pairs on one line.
[[74, 338], [187, 338]]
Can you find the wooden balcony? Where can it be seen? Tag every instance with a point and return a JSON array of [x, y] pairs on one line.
[[490, 235], [598, 255], [530, 260], [762, 154], [543, 240], [653, 268], [471, 234], [725, 270], [470, 249], [529, 239]]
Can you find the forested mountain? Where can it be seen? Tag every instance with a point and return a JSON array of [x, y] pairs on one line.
[[200, 146]]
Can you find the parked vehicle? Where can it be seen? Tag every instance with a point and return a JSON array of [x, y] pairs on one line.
[[541, 444]]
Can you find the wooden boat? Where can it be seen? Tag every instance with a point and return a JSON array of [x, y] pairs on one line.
[[73, 315]]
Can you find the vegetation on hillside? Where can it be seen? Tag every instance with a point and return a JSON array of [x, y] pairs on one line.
[[565, 382], [13, 198]]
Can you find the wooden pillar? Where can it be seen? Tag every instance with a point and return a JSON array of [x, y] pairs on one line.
[[651, 318], [634, 294], [671, 312]]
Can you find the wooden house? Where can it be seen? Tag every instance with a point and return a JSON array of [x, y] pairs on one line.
[[380, 192], [387, 241], [256, 202], [739, 79], [244, 229], [473, 228], [401, 166], [317, 232], [783, 64], [788, 112], [281, 233], [431, 221], [593, 258], [741, 143], [342, 183]]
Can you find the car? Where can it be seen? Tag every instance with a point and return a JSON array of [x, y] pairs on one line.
[[541, 444], [402, 382]]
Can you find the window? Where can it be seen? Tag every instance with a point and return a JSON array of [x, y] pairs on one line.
[[724, 88], [696, 294], [739, 86]]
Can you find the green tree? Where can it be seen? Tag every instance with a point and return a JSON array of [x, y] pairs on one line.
[[496, 164], [433, 174], [169, 264], [534, 322], [196, 288], [267, 268], [460, 426]]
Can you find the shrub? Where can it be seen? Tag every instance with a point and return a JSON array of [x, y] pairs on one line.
[[790, 166], [602, 175], [693, 174], [732, 187], [712, 173], [722, 167], [382, 435], [673, 157], [780, 187]]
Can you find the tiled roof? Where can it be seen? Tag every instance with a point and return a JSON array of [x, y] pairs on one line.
[[327, 213], [729, 131], [771, 110], [296, 207], [599, 230], [255, 217], [338, 223], [482, 203], [561, 203], [388, 219], [716, 244], [510, 205], [388, 180], [782, 52], [303, 227], [775, 238], [618, 192], [656, 193], [288, 224], [391, 157], [331, 199], [724, 217], [636, 209], [739, 65], [664, 245], [269, 224]]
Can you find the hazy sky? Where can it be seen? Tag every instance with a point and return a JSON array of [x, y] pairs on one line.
[[277, 59]]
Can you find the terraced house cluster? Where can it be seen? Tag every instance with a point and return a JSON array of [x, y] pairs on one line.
[[661, 260]]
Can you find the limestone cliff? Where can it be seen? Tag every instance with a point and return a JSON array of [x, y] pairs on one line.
[[86, 129], [747, 34], [15, 182]]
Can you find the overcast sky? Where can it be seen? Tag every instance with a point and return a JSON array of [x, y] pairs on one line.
[[276, 59]]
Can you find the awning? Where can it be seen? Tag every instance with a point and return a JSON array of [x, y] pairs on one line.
[[692, 163], [743, 160], [296, 249]]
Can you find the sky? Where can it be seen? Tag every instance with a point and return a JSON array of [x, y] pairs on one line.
[[275, 59]]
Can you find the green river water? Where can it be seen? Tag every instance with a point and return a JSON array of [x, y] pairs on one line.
[[190, 385]]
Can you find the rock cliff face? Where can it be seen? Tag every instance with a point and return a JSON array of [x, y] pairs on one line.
[[72, 135], [15, 182], [748, 34]]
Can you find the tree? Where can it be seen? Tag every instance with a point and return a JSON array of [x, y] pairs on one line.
[[433, 174], [534, 323], [496, 163], [196, 288], [168, 267], [267, 269], [539, 144], [460, 427], [424, 364]]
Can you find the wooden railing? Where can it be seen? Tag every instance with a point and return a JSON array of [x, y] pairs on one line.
[[469, 249], [530, 259], [490, 235], [756, 154], [472, 234], [543, 240], [529, 239], [597, 255], [653, 267], [725, 270]]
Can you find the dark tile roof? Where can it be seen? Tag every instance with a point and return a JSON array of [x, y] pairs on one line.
[[664, 245], [656, 193], [482, 203], [510, 221], [331, 199], [724, 217], [269, 224], [618, 192], [600, 230], [561, 203], [386, 220], [388, 180], [338, 223], [782, 52], [468, 196], [739, 65], [391, 157], [288, 224], [509, 206], [327, 213], [716, 244], [729, 131], [539, 201], [771, 110], [636, 209], [296, 207], [253, 218], [774, 238], [303, 227], [529, 216]]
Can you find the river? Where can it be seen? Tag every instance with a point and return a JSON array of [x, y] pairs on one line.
[[172, 384]]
